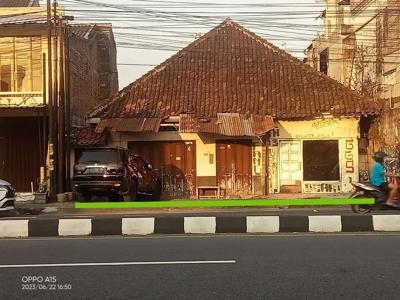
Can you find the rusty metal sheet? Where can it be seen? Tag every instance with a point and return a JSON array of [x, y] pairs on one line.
[[228, 124], [130, 125], [151, 124], [261, 125]]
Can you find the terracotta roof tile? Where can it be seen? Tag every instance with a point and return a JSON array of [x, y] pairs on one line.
[[87, 136], [232, 70]]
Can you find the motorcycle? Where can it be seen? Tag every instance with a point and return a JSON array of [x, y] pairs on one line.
[[366, 190]]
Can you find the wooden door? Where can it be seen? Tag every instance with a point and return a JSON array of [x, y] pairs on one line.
[[175, 161], [234, 171]]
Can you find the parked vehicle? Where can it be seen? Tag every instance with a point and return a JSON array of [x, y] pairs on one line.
[[366, 190], [7, 196], [116, 173]]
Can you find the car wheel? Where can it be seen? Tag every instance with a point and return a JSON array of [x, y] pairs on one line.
[[132, 194], [157, 191]]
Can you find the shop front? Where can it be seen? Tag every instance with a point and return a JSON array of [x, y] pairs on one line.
[[317, 156]]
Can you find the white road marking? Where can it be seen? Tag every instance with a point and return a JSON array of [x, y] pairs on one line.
[[133, 263]]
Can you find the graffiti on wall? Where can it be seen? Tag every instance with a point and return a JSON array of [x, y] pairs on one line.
[[324, 123], [275, 132], [322, 188], [392, 163], [273, 169], [349, 156], [364, 175]]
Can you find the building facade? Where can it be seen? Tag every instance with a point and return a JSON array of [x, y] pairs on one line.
[[361, 38], [25, 87], [234, 111]]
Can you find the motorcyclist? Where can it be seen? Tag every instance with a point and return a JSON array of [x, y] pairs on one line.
[[378, 175]]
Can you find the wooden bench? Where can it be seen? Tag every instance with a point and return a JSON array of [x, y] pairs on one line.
[[201, 190]]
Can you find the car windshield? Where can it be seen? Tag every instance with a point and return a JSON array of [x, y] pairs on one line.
[[98, 156]]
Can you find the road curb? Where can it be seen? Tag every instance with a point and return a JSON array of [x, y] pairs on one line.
[[100, 226]]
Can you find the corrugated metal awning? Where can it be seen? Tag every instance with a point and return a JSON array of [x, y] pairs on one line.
[[229, 124], [130, 125]]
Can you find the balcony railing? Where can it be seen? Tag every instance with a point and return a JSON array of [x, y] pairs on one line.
[[21, 99]]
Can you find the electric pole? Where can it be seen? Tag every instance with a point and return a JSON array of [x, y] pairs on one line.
[[50, 100]]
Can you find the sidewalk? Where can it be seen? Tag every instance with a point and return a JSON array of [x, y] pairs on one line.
[[25, 206]]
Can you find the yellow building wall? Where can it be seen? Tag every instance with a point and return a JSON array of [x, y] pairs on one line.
[[345, 131]]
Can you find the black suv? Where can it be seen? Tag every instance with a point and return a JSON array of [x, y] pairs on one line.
[[114, 172]]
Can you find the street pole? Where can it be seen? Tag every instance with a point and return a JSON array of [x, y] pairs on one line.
[[56, 99], [61, 115], [50, 100], [67, 109]]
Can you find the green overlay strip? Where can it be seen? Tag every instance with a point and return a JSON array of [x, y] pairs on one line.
[[225, 203]]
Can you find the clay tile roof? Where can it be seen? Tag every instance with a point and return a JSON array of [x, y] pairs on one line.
[[82, 137], [232, 70], [19, 3]]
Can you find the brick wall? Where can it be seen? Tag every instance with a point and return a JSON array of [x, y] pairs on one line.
[[93, 69]]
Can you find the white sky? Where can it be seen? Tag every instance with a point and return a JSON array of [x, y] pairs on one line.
[[143, 26]]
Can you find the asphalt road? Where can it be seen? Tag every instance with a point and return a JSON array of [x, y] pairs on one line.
[[221, 267]]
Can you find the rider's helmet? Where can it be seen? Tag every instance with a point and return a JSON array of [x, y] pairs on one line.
[[379, 156]]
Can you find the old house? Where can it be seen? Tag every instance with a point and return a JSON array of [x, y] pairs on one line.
[[25, 85], [360, 48], [232, 110]]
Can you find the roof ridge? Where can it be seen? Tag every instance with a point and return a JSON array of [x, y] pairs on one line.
[[260, 39], [202, 38], [284, 53], [284, 65], [154, 71]]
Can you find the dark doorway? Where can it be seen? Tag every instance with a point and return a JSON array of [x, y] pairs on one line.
[[321, 161], [20, 151], [324, 61]]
